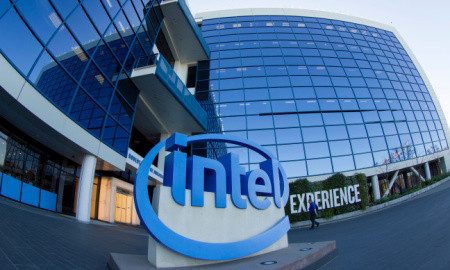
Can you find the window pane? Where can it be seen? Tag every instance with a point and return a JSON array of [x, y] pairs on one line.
[[290, 152], [289, 135], [311, 119], [319, 166], [295, 168], [53, 82], [97, 14], [233, 123], [62, 45], [313, 134], [336, 132], [341, 164], [115, 136], [363, 161], [88, 114], [259, 122], [262, 137], [339, 148], [356, 131], [317, 150], [41, 17], [21, 47], [288, 120], [82, 27]]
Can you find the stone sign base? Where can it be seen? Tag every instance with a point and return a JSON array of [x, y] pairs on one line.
[[296, 256]]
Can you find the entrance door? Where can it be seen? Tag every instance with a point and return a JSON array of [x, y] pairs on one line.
[[123, 207]]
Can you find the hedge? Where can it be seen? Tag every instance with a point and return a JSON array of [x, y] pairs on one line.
[[335, 181]]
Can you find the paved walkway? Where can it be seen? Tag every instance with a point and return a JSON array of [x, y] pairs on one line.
[[412, 235], [31, 238]]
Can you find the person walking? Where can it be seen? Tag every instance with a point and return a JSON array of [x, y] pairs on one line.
[[313, 214]]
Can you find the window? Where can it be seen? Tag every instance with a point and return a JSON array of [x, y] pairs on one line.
[[341, 164], [290, 152], [289, 135], [339, 148], [191, 76], [313, 134], [316, 150], [21, 47], [336, 132], [319, 166]]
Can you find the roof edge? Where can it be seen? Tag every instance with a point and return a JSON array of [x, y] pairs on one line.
[[290, 12]]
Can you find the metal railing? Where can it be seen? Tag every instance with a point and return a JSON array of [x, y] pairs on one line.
[[146, 60]]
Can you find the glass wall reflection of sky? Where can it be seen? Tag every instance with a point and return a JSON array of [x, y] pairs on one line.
[[80, 55], [323, 95]]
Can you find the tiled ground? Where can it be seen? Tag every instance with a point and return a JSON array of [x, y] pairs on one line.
[[31, 238], [412, 235]]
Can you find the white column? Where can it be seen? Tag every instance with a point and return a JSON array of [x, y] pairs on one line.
[[391, 183], [83, 212], [162, 154], [181, 70], [375, 187], [427, 171], [418, 174], [443, 164], [446, 163]]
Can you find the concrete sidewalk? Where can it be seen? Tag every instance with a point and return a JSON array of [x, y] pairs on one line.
[[32, 238]]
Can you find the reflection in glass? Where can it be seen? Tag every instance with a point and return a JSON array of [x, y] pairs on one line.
[[21, 47], [3, 147], [317, 150], [341, 164], [290, 152], [68, 52], [319, 166], [87, 113], [41, 17]]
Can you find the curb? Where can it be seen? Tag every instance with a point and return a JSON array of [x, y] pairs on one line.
[[371, 209]]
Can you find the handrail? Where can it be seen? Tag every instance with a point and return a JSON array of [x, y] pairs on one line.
[[146, 60]]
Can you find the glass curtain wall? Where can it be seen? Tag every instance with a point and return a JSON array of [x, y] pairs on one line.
[[34, 164], [80, 54], [324, 96]]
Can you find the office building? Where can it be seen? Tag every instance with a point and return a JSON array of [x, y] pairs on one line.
[[87, 88]]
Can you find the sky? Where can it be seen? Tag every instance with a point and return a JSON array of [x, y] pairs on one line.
[[423, 24]]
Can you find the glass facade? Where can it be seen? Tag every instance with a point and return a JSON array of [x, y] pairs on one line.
[[323, 95], [79, 55], [34, 164]]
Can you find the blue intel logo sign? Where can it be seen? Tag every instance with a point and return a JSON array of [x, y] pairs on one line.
[[221, 177]]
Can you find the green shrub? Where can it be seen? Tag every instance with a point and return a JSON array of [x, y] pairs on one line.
[[335, 181], [363, 189], [298, 187], [339, 180]]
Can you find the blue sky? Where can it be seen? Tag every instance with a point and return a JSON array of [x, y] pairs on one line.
[[425, 26]]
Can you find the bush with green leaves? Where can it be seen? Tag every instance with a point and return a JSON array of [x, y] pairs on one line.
[[335, 181]]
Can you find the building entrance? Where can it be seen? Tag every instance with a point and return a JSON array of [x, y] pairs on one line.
[[124, 202]]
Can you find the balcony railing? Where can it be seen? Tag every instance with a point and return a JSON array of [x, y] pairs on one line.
[[144, 61], [169, 78]]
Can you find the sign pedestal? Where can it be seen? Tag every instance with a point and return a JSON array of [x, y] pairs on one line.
[[296, 256], [208, 224]]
